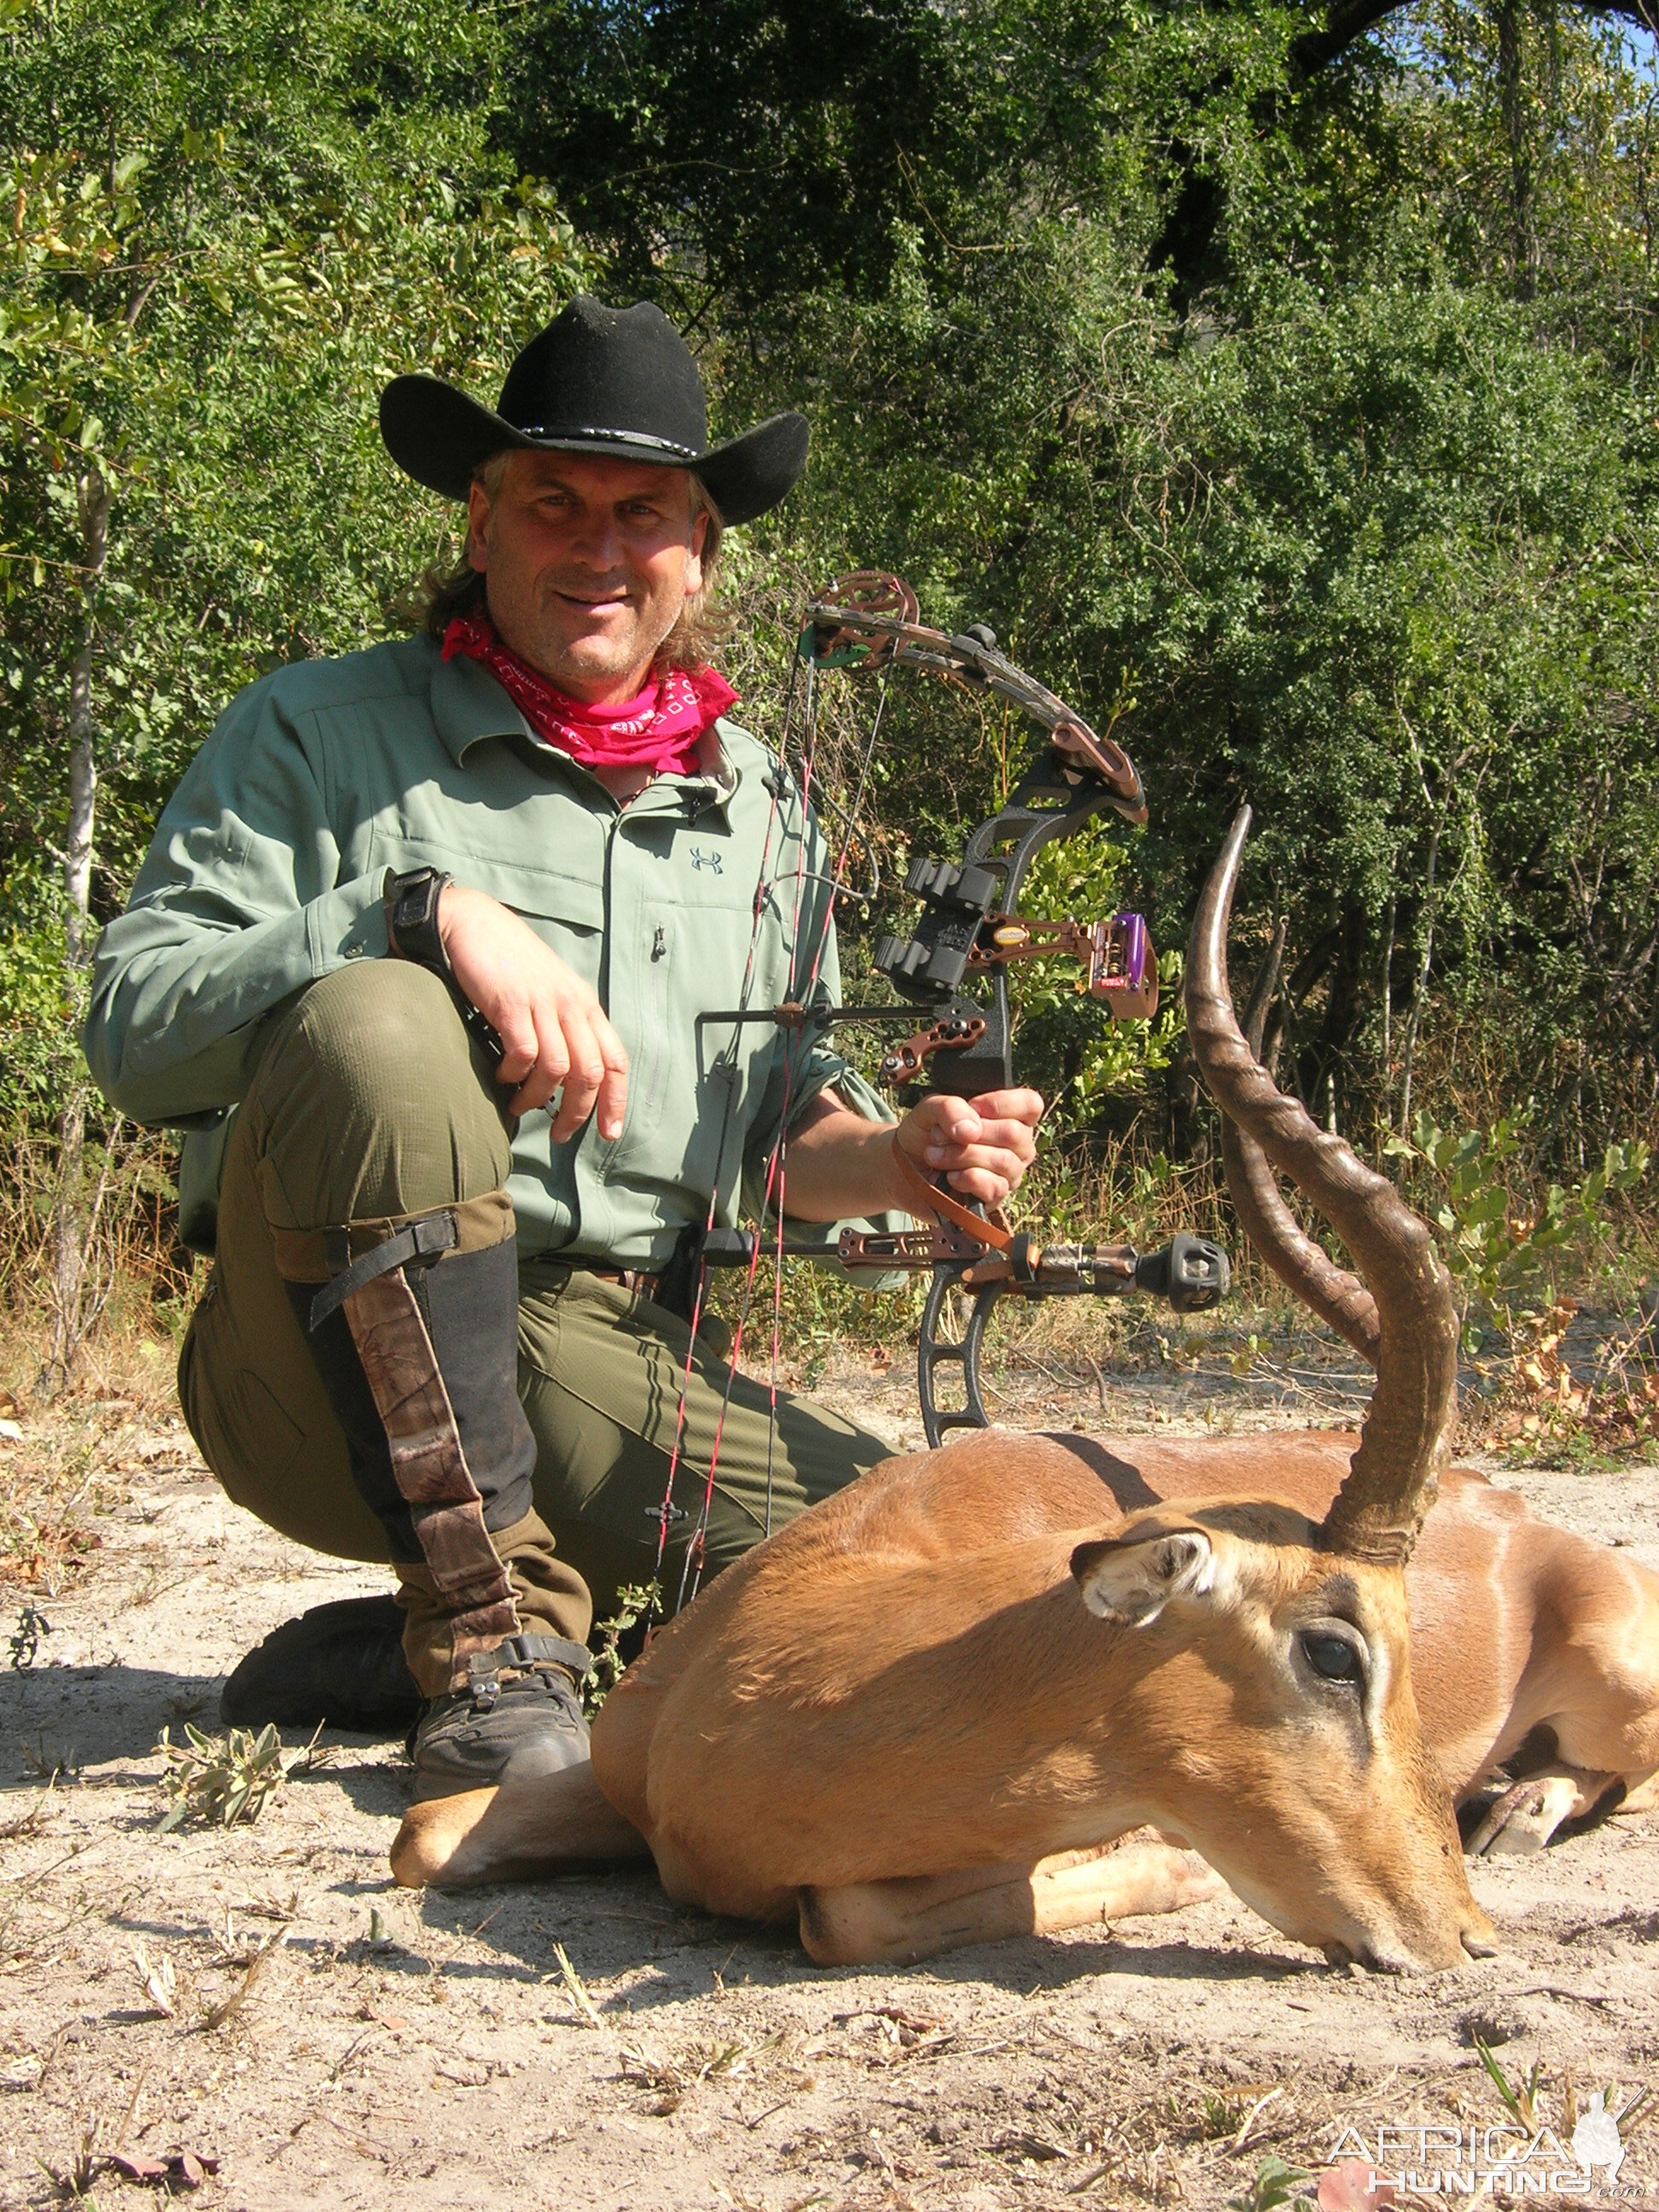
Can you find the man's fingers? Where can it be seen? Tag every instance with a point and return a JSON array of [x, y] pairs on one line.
[[554, 1032], [597, 1075], [549, 1064], [578, 1052], [1006, 1117], [983, 1159], [983, 1146], [521, 1046], [1020, 1105], [583, 1072], [977, 1182], [613, 1087], [998, 1136]]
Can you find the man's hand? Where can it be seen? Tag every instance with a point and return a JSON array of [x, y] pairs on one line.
[[841, 1165], [983, 1145], [552, 1026]]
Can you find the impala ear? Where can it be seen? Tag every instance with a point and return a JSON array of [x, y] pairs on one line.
[[1131, 1580]]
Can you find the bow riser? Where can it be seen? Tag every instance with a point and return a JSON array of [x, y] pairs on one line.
[[970, 932]]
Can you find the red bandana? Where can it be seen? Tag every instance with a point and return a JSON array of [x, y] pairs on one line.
[[662, 729]]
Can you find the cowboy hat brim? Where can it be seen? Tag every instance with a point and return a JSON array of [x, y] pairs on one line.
[[441, 437]]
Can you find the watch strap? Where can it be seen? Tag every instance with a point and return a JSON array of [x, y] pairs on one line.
[[411, 902]]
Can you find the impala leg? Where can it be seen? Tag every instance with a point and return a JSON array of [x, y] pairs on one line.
[[1530, 1812], [879, 1922], [521, 1829]]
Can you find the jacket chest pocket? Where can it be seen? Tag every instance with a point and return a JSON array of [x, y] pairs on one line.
[[565, 908], [684, 958]]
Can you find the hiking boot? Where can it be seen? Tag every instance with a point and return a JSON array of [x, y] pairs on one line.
[[519, 1718], [340, 1665]]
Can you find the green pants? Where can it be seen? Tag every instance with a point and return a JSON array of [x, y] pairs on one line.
[[368, 1105]]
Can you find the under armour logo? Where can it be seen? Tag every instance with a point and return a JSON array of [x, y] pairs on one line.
[[702, 859]]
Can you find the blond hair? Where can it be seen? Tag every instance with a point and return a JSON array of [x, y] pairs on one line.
[[441, 594]]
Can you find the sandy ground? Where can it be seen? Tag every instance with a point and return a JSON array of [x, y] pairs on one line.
[[424, 2050]]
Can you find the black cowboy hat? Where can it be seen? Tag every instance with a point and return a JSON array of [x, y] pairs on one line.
[[619, 381]]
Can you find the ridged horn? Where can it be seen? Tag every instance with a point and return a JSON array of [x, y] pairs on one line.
[[1339, 1298], [1391, 1480]]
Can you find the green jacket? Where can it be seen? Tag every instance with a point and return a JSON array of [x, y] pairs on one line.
[[266, 872]]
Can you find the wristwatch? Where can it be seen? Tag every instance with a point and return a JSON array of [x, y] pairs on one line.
[[410, 901]]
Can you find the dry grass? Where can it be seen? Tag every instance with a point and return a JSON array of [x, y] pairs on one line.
[[137, 1282], [120, 1396], [68, 1465]]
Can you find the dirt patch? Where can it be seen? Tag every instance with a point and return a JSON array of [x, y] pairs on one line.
[[331, 2039]]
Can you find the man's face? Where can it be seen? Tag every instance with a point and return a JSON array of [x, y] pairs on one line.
[[589, 564]]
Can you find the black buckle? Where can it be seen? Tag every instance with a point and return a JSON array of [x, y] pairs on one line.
[[420, 1241], [525, 1652]]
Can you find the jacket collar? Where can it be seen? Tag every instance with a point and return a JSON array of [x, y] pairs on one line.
[[468, 704]]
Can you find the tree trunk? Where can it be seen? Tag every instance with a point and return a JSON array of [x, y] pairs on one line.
[[1421, 991], [69, 1224], [1388, 1011], [1511, 93], [83, 763]]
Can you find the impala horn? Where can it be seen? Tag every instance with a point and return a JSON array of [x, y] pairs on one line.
[[1405, 1323]]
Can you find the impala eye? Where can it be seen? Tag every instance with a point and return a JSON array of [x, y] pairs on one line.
[[1333, 1658]]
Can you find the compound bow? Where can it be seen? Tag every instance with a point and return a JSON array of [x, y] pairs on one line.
[[971, 931]]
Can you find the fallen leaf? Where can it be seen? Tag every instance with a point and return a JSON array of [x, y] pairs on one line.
[[1353, 2184], [139, 2169]]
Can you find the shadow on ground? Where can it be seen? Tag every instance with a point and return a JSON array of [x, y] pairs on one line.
[[76, 1718]]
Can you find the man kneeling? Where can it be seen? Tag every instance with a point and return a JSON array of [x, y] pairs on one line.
[[445, 1327]]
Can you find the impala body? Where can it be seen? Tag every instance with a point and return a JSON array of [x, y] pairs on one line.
[[932, 1710]]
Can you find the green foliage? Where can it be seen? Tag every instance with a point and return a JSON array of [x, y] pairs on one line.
[[1275, 2184], [1320, 398], [199, 322], [1068, 1046], [636, 1603], [221, 1779], [1501, 1254], [1519, 2097]]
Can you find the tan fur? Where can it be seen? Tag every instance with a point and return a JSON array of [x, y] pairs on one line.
[[868, 1923], [899, 1719], [499, 1835]]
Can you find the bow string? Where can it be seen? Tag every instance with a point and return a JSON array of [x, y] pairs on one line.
[[949, 976]]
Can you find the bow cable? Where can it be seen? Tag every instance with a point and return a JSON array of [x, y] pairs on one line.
[[773, 1194]]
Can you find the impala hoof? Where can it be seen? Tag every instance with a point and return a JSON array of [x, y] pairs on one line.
[[429, 1851]]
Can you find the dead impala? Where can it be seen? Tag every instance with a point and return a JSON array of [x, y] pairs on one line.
[[928, 1712]]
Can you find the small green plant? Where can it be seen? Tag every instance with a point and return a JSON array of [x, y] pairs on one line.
[[223, 1779], [576, 1989], [1519, 2099], [1275, 2184], [1498, 1252], [636, 1601], [1220, 2118], [25, 1644]]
